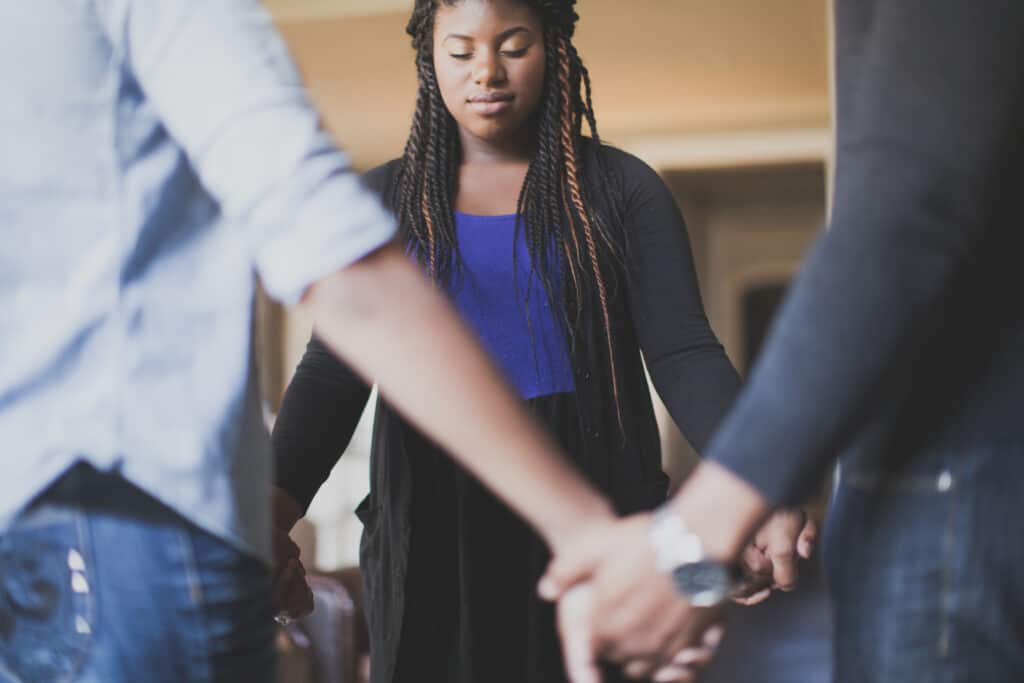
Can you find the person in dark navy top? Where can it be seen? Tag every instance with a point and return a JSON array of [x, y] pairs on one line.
[[899, 350], [568, 258]]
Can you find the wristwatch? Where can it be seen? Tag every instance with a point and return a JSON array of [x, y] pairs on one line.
[[680, 554]]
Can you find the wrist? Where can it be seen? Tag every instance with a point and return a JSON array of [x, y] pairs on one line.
[[679, 553], [567, 526], [286, 510], [721, 509]]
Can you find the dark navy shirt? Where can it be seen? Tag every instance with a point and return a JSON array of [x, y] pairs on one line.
[[904, 333]]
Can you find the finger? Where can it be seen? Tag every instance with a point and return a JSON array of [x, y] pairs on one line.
[[753, 599], [685, 665], [755, 563], [639, 669], [563, 573], [784, 570], [694, 657], [713, 636], [807, 540], [700, 656], [574, 613], [671, 671], [675, 674], [749, 588], [284, 551], [281, 587]]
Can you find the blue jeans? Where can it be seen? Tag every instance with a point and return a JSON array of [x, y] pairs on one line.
[[927, 570], [100, 583]]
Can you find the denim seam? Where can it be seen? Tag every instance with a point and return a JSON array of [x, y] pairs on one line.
[[10, 677], [949, 552], [91, 611], [197, 634]]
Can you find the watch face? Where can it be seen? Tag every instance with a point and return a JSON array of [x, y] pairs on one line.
[[703, 583]]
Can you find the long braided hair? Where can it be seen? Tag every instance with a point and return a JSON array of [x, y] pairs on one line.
[[565, 236]]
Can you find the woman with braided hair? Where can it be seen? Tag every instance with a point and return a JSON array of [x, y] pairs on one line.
[[568, 258]]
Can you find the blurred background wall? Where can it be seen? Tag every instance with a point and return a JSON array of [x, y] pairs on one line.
[[728, 99]]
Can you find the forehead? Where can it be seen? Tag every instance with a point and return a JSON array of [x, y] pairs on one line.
[[482, 19]]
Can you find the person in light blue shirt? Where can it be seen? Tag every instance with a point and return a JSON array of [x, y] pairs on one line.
[[156, 156]]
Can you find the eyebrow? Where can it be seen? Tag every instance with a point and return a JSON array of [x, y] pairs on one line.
[[504, 35]]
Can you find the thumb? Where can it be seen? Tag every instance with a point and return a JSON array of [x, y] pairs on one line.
[[808, 537], [566, 570]]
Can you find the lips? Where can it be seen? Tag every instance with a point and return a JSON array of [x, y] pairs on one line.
[[489, 104]]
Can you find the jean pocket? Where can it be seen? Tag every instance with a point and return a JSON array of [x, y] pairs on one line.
[[46, 601]]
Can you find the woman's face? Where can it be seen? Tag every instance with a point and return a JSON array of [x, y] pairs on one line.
[[489, 61]]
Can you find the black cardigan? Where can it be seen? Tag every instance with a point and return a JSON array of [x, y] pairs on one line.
[[656, 308]]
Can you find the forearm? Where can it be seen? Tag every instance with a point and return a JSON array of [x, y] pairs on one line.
[[389, 323], [319, 413], [722, 509], [918, 199], [287, 510], [698, 386], [687, 363]]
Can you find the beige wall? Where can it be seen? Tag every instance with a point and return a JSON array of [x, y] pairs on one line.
[[748, 226]]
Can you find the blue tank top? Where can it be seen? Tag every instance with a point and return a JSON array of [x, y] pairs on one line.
[[508, 308]]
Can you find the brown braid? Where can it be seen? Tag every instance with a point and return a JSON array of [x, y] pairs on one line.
[[572, 182], [553, 208]]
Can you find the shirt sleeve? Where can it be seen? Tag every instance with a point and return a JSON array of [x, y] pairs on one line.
[[928, 125], [687, 363], [319, 414], [221, 79]]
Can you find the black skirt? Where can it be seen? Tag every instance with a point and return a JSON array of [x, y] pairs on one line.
[[471, 612]]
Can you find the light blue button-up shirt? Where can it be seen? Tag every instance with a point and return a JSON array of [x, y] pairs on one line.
[[155, 155]]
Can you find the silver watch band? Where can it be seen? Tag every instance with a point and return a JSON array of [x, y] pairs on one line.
[[680, 554]]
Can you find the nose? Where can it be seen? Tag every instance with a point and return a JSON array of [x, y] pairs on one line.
[[488, 69]]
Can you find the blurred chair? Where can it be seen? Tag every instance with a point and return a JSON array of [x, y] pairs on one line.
[[331, 629], [321, 648], [294, 656]]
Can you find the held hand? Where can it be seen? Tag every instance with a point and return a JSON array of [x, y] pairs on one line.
[[291, 593], [771, 560], [293, 598], [285, 512], [574, 626], [574, 612], [637, 619]]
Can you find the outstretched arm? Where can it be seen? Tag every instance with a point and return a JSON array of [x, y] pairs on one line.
[[319, 413]]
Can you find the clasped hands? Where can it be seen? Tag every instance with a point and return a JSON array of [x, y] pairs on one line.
[[614, 604]]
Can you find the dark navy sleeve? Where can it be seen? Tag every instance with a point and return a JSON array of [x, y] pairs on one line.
[[687, 363], [931, 99]]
